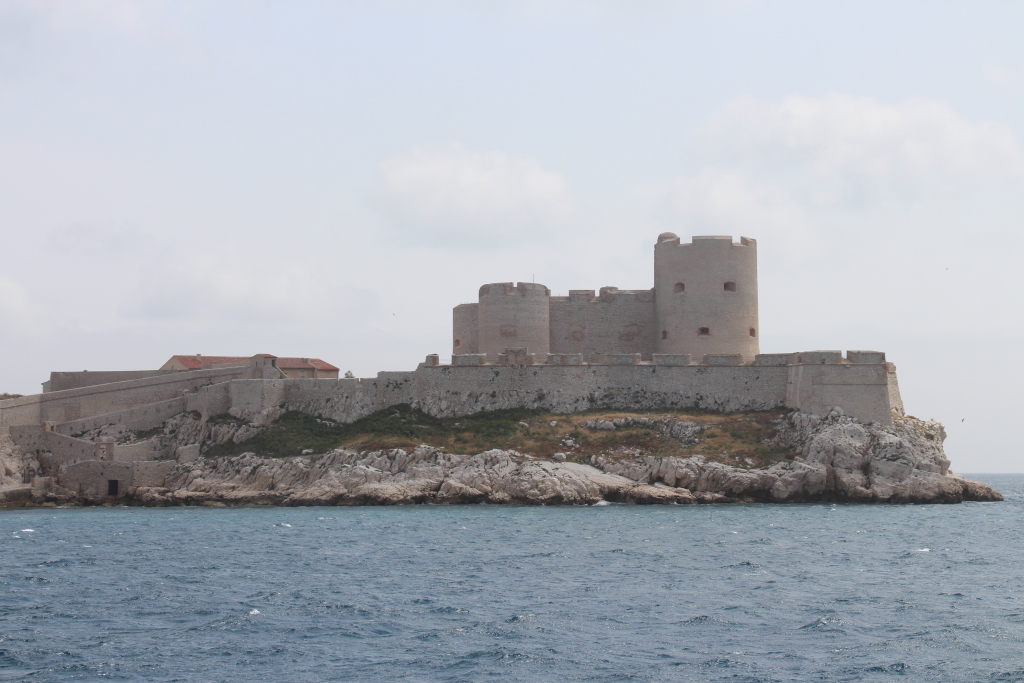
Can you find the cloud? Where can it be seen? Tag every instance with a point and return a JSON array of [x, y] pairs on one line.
[[454, 194], [727, 202], [856, 150]]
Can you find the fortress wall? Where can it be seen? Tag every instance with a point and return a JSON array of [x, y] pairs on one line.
[[448, 391], [895, 399], [60, 381], [147, 416], [822, 382], [614, 322], [64, 450], [452, 391], [143, 450], [211, 400], [465, 329], [75, 404]]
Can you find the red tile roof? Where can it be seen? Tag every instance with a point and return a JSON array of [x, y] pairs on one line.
[[197, 362], [304, 364]]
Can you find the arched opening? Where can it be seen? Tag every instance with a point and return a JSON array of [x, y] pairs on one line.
[[730, 286], [704, 332], [753, 332], [679, 287], [458, 343], [664, 334]]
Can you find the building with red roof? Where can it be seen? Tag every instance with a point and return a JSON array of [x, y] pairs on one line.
[[295, 368]]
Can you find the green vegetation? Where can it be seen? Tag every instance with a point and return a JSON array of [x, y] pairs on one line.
[[734, 438]]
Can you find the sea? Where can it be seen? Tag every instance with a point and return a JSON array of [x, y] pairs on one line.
[[736, 593]]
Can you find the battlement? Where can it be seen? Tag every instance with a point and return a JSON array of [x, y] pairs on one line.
[[699, 241], [524, 289], [607, 295]]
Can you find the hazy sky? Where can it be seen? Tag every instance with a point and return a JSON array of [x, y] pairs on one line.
[[330, 179]]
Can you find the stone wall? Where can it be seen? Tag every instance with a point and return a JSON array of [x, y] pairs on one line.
[[60, 381], [616, 321], [139, 418], [570, 384], [76, 404]]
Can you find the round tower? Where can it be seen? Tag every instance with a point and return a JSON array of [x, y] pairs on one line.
[[511, 317], [706, 296]]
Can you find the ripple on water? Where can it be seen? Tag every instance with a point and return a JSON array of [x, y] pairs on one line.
[[484, 593]]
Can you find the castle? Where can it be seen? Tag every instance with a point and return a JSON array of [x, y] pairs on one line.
[[704, 301], [689, 342]]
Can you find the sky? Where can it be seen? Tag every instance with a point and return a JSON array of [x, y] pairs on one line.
[[329, 179]]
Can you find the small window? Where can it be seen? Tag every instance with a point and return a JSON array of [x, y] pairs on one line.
[[664, 334], [730, 286], [680, 287], [753, 332], [458, 343], [302, 373], [704, 332]]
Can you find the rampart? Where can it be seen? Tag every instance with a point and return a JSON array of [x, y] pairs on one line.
[[60, 381], [70, 405], [862, 385]]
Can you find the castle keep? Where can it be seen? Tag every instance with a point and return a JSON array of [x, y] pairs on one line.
[[704, 301], [689, 342]]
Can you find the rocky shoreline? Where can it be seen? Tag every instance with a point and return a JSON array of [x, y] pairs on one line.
[[835, 459]]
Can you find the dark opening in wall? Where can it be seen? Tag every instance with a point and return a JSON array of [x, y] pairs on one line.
[[730, 286], [458, 343], [112, 487], [679, 287], [664, 334], [704, 332], [753, 332]]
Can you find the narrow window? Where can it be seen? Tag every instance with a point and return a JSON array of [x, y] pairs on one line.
[[730, 286], [664, 334], [753, 332], [704, 332], [111, 487], [458, 343], [680, 287]]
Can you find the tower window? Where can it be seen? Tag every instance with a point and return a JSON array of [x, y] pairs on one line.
[[679, 287], [730, 286], [704, 332], [458, 343], [664, 334], [753, 332]]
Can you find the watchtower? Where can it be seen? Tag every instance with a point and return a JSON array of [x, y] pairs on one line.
[[514, 316], [706, 296]]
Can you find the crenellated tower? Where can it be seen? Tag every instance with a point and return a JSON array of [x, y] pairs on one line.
[[513, 316], [706, 296]]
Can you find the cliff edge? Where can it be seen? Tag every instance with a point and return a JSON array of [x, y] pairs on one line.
[[806, 458]]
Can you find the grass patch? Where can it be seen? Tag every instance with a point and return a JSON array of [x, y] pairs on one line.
[[734, 438]]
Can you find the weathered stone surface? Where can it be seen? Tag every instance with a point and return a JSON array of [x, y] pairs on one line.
[[841, 460]]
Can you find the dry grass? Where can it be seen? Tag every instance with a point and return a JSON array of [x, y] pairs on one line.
[[734, 438]]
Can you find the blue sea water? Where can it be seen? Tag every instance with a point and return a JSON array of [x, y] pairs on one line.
[[489, 593]]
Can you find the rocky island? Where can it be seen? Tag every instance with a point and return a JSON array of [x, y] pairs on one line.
[[646, 396]]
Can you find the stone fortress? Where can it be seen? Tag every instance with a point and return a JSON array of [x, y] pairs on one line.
[[689, 342], [704, 302]]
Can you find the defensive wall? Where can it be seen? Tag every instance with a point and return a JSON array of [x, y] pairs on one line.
[[59, 381], [863, 384], [75, 404]]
